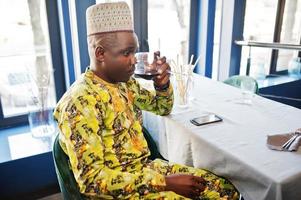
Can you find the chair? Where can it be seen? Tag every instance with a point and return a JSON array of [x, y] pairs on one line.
[[152, 146], [65, 176], [238, 79]]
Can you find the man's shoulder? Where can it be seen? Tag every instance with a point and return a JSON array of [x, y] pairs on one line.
[[132, 83], [77, 89], [85, 88]]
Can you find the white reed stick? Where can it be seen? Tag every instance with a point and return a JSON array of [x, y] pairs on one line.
[[177, 59], [191, 59], [196, 62]]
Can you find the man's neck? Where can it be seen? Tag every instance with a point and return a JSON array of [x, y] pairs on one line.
[[100, 74]]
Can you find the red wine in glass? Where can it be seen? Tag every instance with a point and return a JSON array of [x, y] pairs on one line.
[[144, 67], [149, 75]]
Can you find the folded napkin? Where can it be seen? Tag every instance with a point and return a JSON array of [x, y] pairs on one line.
[[285, 142]]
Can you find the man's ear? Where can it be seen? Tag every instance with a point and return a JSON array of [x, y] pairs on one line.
[[99, 53]]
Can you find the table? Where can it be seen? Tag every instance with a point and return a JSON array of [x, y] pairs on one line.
[[235, 148]]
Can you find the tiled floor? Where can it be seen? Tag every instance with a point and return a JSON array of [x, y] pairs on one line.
[[57, 196]]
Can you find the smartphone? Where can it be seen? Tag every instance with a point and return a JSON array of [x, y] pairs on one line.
[[206, 119]]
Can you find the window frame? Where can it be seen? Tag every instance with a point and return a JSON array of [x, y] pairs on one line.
[[276, 38], [57, 62], [140, 13], [277, 35]]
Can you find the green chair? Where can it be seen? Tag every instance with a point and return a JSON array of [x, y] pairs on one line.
[[238, 79], [152, 146], [65, 176]]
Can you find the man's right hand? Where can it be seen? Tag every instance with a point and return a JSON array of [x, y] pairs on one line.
[[185, 185]]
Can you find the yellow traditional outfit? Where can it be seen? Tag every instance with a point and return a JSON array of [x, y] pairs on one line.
[[101, 132]]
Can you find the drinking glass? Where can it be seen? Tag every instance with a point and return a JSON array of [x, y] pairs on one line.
[[294, 67], [181, 89], [41, 123], [248, 89], [145, 67]]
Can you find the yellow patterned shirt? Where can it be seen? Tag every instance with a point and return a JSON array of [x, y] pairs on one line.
[[101, 132]]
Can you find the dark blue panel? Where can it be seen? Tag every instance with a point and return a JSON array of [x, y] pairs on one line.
[[63, 7], [13, 121], [195, 29], [27, 175], [237, 34], [210, 37], [141, 23], [81, 7], [56, 48], [290, 90]]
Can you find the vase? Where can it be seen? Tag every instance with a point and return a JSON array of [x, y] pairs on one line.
[[41, 123], [40, 116]]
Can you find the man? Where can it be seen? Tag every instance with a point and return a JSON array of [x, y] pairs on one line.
[[100, 120]]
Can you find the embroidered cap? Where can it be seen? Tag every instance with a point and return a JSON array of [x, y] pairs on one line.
[[109, 17]]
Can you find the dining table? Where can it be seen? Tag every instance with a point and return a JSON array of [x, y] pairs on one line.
[[235, 148]]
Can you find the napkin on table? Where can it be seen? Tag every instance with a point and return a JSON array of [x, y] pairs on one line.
[[276, 142]]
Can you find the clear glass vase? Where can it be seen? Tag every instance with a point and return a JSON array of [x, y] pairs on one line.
[[40, 117], [41, 123]]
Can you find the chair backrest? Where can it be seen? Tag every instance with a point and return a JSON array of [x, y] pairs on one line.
[[64, 173], [152, 145], [238, 79]]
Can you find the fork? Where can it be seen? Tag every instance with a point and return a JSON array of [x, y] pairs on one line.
[[287, 145]]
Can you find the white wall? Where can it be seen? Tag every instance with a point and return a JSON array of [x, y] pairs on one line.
[[225, 39]]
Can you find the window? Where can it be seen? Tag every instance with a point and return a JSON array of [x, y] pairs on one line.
[[26, 71], [290, 32], [274, 21], [258, 27], [168, 27], [129, 2]]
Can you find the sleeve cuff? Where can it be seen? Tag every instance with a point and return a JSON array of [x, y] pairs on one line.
[[163, 88]]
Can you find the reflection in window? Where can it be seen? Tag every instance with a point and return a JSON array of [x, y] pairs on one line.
[[168, 27], [290, 32], [25, 64], [259, 24]]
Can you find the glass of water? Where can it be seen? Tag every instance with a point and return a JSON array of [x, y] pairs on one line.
[[248, 88]]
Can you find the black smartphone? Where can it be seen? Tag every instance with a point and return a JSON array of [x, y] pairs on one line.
[[206, 119]]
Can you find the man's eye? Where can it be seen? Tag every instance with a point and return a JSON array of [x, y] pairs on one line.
[[126, 53]]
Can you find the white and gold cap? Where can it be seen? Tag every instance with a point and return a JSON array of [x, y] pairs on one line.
[[109, 17]]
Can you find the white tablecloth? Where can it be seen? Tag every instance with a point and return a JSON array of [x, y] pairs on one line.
[[235, 148]]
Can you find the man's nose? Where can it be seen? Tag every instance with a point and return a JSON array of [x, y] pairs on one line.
[[133, 60]]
